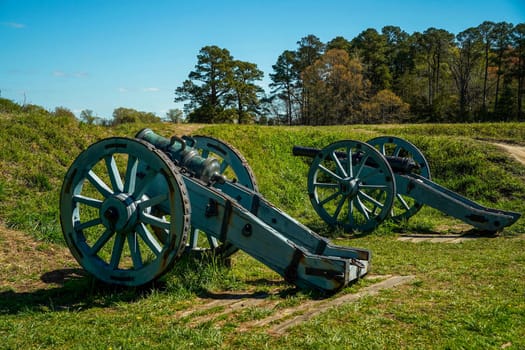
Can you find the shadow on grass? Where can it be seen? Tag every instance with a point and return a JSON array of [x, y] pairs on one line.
[[74, 289], [77, 290], [285, 291], [387, 227], [394, 228]]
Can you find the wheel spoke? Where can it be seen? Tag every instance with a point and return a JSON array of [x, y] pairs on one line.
[[91, 202], [162, 235], [116, 253], [329, 198], [82, 226], [134, 249], [326, 185], [397, 151], [329, 172], [114, 175], [153, 201], [351, 212], [338, 163], [339, 207], [381, 198], [144, 183], [149, 239], [224, 165], [350, 162], [371, 199], [362, 208], [101, 242], [403, 202], [363, 163], [100, 185], [154, 221], [131, 174]]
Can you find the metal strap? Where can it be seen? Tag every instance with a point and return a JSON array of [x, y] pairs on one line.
[[321, 246], [290, 273], [256, 202], [226, 220]]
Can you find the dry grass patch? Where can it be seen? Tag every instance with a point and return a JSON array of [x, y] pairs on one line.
[[27, 265]]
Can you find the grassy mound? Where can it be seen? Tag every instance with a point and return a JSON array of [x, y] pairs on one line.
[[38, 146], [467, 295]]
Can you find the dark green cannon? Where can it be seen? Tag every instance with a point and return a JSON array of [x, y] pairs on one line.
[[357, 185], [130, 208]]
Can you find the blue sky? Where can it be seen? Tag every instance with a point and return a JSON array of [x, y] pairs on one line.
[[105, 54]]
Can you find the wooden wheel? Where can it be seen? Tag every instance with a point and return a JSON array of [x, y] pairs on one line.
[[404, 206], [351, 185], [107, 202], [234, 167]]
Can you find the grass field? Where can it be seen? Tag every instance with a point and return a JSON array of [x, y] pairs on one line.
[[467, 295]]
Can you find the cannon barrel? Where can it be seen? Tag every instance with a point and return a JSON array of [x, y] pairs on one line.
[[206, 169], [399, 165]]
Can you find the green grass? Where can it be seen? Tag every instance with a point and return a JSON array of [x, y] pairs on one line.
[[464, 296], [473, 168], [36, 149]]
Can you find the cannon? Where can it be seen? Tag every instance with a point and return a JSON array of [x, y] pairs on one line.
[[131, 207], [356, 186]]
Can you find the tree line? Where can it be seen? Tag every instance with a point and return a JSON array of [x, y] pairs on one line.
[[377, 77]]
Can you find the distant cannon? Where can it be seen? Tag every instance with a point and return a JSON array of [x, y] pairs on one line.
[[130, 208], [356, 186]]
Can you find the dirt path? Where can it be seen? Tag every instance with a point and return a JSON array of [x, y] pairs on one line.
[[277, 318], [27, 265], [517, 152], [188, 129]]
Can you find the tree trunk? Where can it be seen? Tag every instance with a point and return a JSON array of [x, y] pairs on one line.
[[497, 85], [521, 71], [485, 78], [289, 106]]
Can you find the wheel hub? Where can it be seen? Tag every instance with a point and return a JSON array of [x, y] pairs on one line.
[[119, 213], [349, 187]]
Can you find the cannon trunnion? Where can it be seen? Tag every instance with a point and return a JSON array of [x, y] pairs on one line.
[[130, 208]]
